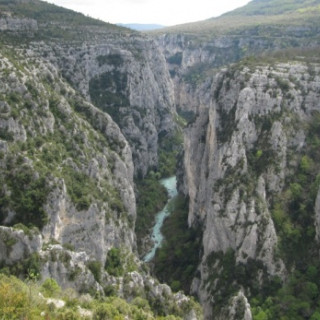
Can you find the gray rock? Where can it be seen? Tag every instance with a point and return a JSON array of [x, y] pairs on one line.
[[228, 192]]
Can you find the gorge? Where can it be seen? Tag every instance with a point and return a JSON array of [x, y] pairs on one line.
[[92, 115]]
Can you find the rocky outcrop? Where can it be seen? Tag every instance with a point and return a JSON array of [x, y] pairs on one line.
[[15, 245], [74, 269], [239, 154], [75, 175], [18, 25], [239, 308]]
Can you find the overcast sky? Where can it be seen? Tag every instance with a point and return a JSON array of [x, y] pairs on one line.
[[165, 12]]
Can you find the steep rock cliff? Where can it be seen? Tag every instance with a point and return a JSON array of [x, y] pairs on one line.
[[121, 72], [257, 28], [126, 77], [65, 166], [247, 158]]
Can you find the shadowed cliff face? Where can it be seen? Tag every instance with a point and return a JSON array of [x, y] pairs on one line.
[[250, 159], [127, 78]]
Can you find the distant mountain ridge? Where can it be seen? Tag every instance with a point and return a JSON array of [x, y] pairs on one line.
[[275, 7], [257, 13]]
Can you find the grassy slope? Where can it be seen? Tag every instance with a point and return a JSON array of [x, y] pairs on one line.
[[56, 22], [45, 12], [274, 7], [256, 13]]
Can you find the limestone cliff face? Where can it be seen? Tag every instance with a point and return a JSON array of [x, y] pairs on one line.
[[240, 152], [191, 51], [127, 77], [66, 167], [187, 49], [121, 72]]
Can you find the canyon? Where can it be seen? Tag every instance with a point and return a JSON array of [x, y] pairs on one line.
[[90, 109]]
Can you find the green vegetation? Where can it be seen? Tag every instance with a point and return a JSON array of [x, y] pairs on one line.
[[28, 195], [50, 288], [177, 259], [170, 146], [79, 187], [21, 300], [113, 263], [119, 262], [297, 296], [298, 299], [176, 59], [151, 194], [292, 210], [33, 168], [226, 278], [115, 60], [293, 214], [23, 268], [227, 124], [275, 7], [44, 12], [95, 267], [54, 22], [108, 92], [258, 18]]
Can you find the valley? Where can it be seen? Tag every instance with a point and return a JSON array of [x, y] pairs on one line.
[[96, 118]]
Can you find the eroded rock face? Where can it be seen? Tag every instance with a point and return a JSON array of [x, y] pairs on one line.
[[127, 77], [15, 245], [239, 308], [239, 152], [18, 25], [74, 163]]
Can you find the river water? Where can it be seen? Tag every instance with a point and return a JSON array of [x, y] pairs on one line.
[[171, 185]]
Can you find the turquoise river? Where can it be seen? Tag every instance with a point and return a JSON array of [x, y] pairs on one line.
[[171, 185]]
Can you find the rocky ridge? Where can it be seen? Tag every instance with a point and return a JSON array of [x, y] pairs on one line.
[[43, 129], [240, 153]]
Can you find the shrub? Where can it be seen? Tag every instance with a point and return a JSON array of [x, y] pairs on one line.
[[95, 268], [113, 263], [106, 311], [50, 288], [13, 298], [29, 194]]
